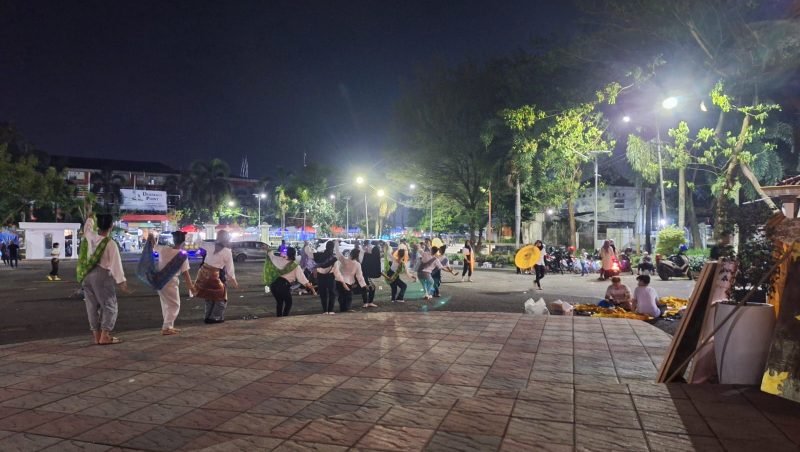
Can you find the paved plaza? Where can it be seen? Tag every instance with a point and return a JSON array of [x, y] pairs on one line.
[[385, 381]]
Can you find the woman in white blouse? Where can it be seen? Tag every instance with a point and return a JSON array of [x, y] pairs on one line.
[[289, 272], [349, 277], [209, 283]]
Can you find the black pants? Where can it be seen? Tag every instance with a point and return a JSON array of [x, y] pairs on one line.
[[54, 266], [368, 295], [395, 285], [281, 290], [539, 269], [467, 268], [327, 291], [345, 297], [13, 260], [437, 281]]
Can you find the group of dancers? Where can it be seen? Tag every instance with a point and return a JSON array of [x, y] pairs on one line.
[[336, 277]]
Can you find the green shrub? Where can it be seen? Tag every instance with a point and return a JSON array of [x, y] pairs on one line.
[[669, 239], [696, 263]]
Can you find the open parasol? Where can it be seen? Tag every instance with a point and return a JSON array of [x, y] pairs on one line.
[[527, 256]]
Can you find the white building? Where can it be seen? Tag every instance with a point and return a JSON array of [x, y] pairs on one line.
[[39, 238]]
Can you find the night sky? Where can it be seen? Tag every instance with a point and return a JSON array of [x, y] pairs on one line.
[[179, 81]]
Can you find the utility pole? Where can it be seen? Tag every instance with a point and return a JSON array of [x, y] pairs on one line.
[[347, 217], [431, 215], [366, 214], [596, 182], [661, 174], [517, 216]]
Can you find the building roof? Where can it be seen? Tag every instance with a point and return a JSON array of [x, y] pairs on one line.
[[62, 161], [794, 180]]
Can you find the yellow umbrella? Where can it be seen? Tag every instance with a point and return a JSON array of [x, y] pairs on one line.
[[527, 256], [437, 242]]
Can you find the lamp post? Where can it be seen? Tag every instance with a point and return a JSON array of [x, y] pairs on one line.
[[596, 184], [259, 196], [360, 181], [347, 216]]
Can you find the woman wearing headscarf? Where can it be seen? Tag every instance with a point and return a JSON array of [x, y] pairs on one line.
[[392, 275], [538, 268], [607, 257], [208, 283], [174, 262], [469, 259], [348, 277], [326, 281], [371, 269], [279, 274]]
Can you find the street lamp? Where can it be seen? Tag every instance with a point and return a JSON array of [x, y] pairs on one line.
[[550, 211], [626, 118], [669, 103], [259, 196], [360, 181], [380, 193], [231, 203]]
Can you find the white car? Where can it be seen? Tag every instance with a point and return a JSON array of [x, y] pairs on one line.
[[345, 245]]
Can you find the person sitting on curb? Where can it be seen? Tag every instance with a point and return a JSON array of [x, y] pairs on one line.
[[645, 298]]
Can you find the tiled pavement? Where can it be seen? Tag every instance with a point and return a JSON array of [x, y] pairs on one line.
[[438, 381]]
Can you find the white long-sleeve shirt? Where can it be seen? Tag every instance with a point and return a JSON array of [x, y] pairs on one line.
[[395, 266], [220, 260], [348, 271], [294, 275], [166, 254], [111, 260], [429, 263]]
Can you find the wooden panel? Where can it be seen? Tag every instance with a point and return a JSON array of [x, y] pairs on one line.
[[685, 341]]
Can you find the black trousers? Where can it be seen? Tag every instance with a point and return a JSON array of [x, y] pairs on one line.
[[467, 268], [327, 291], [395, 285], [282, 291], [54, 266], [345, 297], [13, 260], [368, 295], [539, 269]]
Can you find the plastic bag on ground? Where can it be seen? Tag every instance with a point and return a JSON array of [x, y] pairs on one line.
[[538, 307]]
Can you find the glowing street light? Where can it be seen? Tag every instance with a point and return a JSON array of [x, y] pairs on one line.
[[333, 197], [550, 211], [381, 193], [626, 118], [670, 103], [360, 180], [412, 186], [231, 203]]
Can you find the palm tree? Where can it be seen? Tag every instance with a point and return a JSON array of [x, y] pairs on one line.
[[282, 202], [108, 187], [206, 184], [386, 207]]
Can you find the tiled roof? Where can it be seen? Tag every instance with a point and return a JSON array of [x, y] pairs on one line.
[[794, 180]]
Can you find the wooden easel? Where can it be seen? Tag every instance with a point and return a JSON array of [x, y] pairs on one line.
[[685, 341]]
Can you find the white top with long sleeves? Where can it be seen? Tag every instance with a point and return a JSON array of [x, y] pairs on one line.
[[166, 254], [646, 299], [395, 265], [348, 271], [111, 260], [220, 260], [541, 257], [294, 275], [429, 263]]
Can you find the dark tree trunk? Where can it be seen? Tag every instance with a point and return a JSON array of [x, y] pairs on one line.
[[648, 219]]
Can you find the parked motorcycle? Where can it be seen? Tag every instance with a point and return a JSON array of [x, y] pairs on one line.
[[625, 261], [674, 266], [552, 261]]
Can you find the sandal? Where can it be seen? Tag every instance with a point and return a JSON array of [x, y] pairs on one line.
[[169, 332], [114, 340]]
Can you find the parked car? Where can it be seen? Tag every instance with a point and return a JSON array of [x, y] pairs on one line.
[[345, 245], [249, 250]]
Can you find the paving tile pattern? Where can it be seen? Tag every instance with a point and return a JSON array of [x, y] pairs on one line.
[[392, 382]]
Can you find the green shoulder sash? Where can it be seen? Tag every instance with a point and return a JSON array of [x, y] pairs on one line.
[[272, 272], [87, 263]]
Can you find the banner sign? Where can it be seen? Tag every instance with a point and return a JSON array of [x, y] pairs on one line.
[[144, 200]]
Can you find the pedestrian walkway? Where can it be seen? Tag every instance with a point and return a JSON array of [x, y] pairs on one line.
[[382, 381]]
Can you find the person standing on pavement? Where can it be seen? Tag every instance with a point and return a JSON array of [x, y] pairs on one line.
[[55, 253], [429, 262], [371, 269], [437, 273], [173, 261], [326, 280], [4, 252], [469, 259], [279, 274], [100, 272], [538, 268], [349, 277], [607, 257], [13, 254], [392, 276], [208, 284]]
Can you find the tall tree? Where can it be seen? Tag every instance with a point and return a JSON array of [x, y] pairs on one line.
[[207, 185]]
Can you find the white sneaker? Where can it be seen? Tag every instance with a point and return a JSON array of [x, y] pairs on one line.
[[470, 279]]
